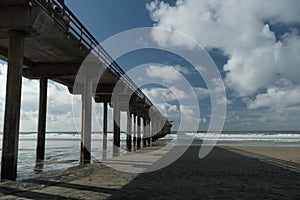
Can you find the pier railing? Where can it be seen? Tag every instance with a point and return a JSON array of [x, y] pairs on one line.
[[71, 24]]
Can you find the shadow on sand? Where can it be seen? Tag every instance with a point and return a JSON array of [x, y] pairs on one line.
[[223, 174]]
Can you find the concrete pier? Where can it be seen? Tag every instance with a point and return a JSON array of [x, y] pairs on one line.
[[55, 52], [144, 131], [134, 131], [116, 118], [12, 106], [40, 150], [104, 126], [129, 132], [138, 145], [86, 115], [149, 131], [154, 129]]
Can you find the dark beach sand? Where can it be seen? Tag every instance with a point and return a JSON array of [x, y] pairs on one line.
[[226, 173]]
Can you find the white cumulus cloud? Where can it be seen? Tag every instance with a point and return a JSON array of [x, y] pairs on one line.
[[241, 30], [59, 105], [167, 74], [277, 98]]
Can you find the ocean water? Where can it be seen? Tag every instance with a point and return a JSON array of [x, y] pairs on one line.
[[63, 149], [253, 138]]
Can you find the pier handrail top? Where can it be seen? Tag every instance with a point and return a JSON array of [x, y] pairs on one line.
[[77, 29]]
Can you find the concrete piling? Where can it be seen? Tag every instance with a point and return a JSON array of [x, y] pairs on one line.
[[148, 132], [104, 126], [86, 125], [134, 131], [40, 150], [138, 146], [129, 132], [12, 106], [144, 131], [116, 113]]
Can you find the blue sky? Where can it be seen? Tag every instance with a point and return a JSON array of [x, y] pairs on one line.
[[107, 18], [255, 45]]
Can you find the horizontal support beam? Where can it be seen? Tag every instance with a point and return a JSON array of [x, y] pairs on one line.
[[103, 99], [99, 98], [51, 70], [102, 89], [107, 90]]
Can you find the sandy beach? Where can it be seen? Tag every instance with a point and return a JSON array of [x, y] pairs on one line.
[[226, 173]]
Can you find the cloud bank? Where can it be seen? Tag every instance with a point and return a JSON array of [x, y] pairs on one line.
[[260, 38], [59, 105]]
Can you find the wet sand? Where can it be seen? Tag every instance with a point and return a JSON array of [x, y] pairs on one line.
[[226, 173]]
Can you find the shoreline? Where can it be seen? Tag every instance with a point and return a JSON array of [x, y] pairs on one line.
[[227, 172]]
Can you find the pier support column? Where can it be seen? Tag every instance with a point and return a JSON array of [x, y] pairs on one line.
[[128, 136], [158, 130], [169, 129], [149, 132], [134, 131], [116, 113], [86, 126], [105, 126], [154, 129], [12, 106], [138, 146], [165, 130], [144, 131], [40, 150]]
